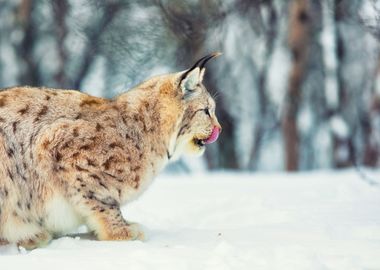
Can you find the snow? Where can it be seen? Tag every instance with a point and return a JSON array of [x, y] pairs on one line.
[[316, 220]]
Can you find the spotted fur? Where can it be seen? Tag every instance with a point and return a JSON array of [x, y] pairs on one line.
[[69, 159]]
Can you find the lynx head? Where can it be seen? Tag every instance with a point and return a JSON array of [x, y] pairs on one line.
[[199, 125]]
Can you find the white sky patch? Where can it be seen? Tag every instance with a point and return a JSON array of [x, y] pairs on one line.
[[16, 36], [195, 164], [339, 127], [240, 87], [258, 52], [272, 155], [305, 120], [328, 42], [159, 70], [47, 54], [278, 75], [244, 136], [94, 82], [370, 13], [342, 153], [138, 13], [81, 11], [75, 42], [9, 70], [322, 145], [377, 84], [280, 62]]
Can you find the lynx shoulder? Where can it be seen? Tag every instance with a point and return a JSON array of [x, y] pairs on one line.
[[69, 159]]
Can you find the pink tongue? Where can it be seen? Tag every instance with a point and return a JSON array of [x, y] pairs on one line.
[[213, 137]]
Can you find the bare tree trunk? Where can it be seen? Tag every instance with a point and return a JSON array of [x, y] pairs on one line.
[[228, 156], [264, 103], [299, 32], [30, 75], [371, 136], [111, 9], [60, 10], [189, 26], [345, 154]]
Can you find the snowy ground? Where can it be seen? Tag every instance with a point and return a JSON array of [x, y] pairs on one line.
[[314, 220]]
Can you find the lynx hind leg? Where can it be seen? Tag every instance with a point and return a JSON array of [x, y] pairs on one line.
[[107, 222], [39, 240]]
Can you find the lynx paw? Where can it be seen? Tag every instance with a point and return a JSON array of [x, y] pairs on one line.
[[132, 231], [136, 231], [39, 240]]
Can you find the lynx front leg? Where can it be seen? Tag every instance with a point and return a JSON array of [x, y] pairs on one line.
[[39, 240], [106, 220], [121, 231]]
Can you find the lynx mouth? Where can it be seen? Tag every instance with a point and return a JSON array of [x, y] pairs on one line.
[[199, 142], [210, 139]]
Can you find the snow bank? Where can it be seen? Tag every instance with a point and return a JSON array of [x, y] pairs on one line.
[[319, 220]]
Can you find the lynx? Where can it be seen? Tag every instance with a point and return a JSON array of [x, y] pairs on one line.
[[68, 158]]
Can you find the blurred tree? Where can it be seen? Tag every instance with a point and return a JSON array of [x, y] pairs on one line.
[[26, 24], [60, 9], [297, 87], [299, 36]]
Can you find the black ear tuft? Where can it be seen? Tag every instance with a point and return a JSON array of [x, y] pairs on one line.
[[200, 63]]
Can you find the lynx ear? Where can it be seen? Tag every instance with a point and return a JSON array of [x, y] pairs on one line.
[[191, 80], [194, 75]]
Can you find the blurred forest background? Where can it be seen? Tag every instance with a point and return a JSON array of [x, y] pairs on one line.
[[298, 85]]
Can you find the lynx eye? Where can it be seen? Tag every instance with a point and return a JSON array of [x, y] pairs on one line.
[[207, 111]]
